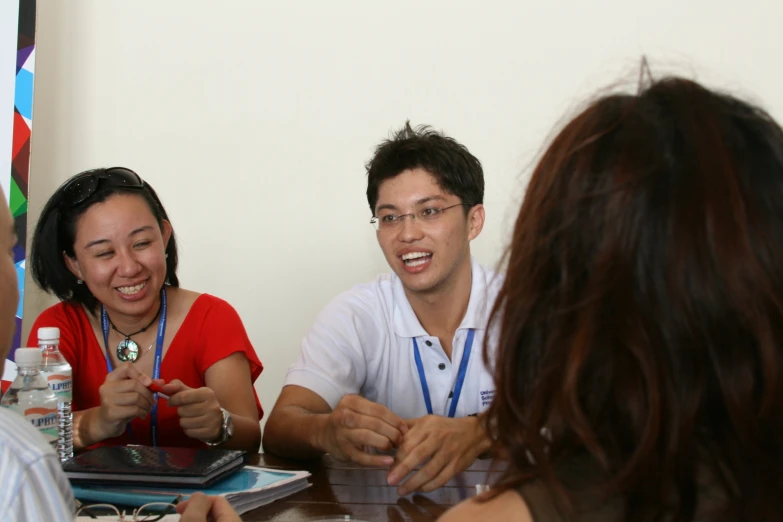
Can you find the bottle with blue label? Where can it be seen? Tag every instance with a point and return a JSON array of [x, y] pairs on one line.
[[58, 374], [29, 395]]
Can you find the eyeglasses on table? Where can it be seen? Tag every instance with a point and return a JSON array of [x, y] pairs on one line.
[[151, 512]]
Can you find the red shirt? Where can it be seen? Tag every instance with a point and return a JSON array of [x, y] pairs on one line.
[[211, 331]]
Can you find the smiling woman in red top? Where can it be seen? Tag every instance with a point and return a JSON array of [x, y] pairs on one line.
[[105, 246]]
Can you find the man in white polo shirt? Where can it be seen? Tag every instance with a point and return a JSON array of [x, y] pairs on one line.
[[397, 363]]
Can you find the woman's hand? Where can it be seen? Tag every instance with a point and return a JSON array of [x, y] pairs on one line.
[[198, 408], [124, 396]]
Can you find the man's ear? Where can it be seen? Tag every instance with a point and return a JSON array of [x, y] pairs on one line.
[[475, 221], [73, 265]]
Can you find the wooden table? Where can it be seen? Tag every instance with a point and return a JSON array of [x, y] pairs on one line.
[[350, 489]]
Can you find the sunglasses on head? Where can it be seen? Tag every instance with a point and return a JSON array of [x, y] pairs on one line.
[[85, 185]]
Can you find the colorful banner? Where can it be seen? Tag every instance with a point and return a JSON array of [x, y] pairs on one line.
[[17, 60]]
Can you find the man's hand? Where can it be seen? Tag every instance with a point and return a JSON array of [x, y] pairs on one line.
[[356, 424], [447, 445]]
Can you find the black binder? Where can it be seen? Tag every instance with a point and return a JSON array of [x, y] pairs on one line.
[[153, 466]]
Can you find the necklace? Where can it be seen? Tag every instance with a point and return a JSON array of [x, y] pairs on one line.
[[127, 349]]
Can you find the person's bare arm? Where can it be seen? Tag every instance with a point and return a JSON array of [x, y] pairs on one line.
[[506, 506], [302, 425], [228, 385]]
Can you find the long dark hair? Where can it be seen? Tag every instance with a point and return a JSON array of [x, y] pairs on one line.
[[641, 318], [55, 234]]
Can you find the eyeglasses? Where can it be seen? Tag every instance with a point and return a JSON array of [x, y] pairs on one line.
[[391, 221], [83, 186], [146, 513]]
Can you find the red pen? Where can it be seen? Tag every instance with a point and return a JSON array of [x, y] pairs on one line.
[[156, 388]]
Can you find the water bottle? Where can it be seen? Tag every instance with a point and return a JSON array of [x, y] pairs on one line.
[[58, 374], [30, 396]]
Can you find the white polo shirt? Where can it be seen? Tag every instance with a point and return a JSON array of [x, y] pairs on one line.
[[362, 343]]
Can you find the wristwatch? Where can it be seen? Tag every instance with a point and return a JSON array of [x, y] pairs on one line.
[[226, 430]]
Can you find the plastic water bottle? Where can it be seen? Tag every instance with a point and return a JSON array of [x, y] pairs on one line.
[[30, 396], [58, 374]]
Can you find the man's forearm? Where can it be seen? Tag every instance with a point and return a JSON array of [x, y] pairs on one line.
[[295, 432]]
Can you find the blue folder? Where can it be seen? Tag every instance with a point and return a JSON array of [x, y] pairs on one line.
[[134, 496]]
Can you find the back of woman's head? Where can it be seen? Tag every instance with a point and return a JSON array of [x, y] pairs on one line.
[[642, 312], [55, 231]]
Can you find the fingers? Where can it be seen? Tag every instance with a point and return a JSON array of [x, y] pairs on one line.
[[195, 509], [409, 457], [123, 398], [434, 474], [441, 446], [356, 424], [222, 510], [194, 400], [372, 409], [204, 427], [417, 446], [201, 508], [174, 387], [357, 413], [126, 393], [125, 386], [384, 438], [445, 474], [198, 408], [128, 371], [357, 454]]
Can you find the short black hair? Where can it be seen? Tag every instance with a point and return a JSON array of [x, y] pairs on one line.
[[456, 170], [55, 233]]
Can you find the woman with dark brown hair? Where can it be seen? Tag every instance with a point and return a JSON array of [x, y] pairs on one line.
[[639, 366]]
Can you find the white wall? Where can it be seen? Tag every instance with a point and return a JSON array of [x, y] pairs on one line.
[[253, 119]]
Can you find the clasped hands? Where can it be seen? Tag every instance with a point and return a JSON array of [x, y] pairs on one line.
[[440, 446], [125, 395]]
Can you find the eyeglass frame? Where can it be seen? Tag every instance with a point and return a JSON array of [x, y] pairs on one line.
[[376, 222], [77, 195], [121, 514]]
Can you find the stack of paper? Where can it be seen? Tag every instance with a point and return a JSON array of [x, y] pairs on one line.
[[247, 489]]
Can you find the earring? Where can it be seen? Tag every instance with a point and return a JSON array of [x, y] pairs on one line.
[[167, 256], [79, 282]]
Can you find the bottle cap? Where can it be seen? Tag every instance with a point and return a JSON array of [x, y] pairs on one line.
[[48, 333], [28, 356]]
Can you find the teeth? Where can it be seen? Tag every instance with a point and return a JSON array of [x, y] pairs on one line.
[[415, 263], [128, 290], [414, 255]]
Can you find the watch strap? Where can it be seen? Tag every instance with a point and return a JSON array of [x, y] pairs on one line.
[[223, 437]]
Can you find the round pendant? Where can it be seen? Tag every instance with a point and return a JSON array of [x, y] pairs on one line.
[[127, 350]]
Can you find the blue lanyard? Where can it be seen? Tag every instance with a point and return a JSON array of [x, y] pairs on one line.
[[156, 365], [463, 369]]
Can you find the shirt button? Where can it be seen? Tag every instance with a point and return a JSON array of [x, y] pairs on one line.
[[442, 366], [428, 343]]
